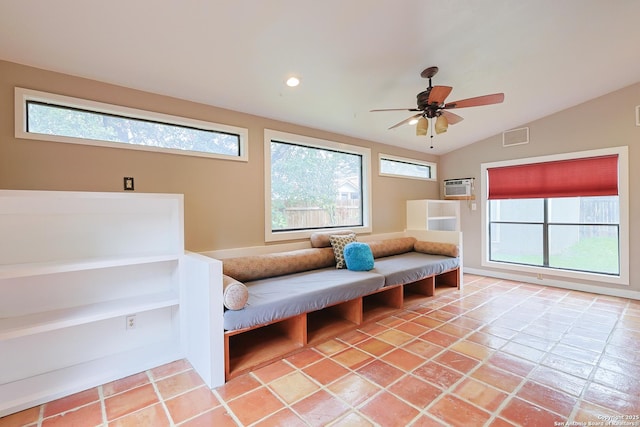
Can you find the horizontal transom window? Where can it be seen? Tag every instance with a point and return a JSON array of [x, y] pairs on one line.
[[406, 168], [45, 116]]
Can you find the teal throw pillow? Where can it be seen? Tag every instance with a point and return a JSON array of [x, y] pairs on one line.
[[358, 256]]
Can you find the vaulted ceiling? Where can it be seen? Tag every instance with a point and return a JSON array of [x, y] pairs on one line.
[[350, 55]]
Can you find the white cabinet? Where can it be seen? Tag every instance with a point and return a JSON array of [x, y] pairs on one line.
[[74, 266], [434, 215]]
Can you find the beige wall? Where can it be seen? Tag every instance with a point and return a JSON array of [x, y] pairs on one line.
[[608, 121], [224, 202]]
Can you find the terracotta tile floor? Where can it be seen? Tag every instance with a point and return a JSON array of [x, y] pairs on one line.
[[498, 354]]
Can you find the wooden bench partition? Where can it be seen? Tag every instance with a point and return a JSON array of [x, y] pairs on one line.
[[251, 348]]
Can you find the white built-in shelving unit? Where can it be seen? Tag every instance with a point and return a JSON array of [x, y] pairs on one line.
[[434, 215], [74, 268], [436, 221]]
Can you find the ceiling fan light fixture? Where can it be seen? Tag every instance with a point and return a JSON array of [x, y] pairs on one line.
[[422, 127], [431, 104], [413, 121], [442, 124]]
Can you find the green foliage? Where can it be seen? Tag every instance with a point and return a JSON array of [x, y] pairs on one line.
[[597, 254], [594, 254], [400, 168], [75, 123], [307, 177]]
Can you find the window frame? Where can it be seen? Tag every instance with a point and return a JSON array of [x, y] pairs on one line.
[[23, 96], [623, 194], [432, 167], [278, 136], [547, 224]]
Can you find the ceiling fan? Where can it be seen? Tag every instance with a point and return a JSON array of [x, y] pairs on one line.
[[431, 105]]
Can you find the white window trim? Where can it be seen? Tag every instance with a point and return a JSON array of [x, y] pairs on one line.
[[269, 135], [23, 95], [623, 191], [432, 166]]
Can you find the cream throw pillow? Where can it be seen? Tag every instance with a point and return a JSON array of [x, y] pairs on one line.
[[338, 242]]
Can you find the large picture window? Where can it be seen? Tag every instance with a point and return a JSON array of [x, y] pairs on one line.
[[314, 185], [568, 215], [576, 233], [45, 116]]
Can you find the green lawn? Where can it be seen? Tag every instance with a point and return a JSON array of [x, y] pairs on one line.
[[597, 254]]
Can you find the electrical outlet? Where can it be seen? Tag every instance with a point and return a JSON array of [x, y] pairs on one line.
[[128, 183], [131, 322]]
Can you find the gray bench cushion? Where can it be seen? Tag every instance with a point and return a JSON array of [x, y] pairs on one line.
[[412, 266], [285, 296]]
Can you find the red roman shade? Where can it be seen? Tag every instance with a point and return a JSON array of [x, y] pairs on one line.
[[589, 176]]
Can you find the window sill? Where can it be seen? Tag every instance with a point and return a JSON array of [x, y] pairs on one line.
[[621, 280]]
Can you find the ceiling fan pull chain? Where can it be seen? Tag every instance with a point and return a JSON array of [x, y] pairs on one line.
[[431, 137]]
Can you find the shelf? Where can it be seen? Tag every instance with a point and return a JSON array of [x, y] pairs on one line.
[[20, 326], [255, 348], [434, 215], [327, 327], [472, 197], [330, 321], [417, 291], [382, 303], [449, 279], [54, 267], [51, 385]]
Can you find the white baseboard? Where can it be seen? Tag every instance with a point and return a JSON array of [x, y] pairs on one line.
[[603, 290]]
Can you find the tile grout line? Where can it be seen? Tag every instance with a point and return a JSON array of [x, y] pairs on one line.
[[41, 415], [225, 405], [152, 380], [103, 405], [276, 395]]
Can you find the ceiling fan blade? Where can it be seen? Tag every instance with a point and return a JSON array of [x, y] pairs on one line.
[[438, 94], [494, 98], [405, 121], [394, 109], [452, 118]]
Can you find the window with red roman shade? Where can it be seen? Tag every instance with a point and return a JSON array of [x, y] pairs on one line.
[[589, 176]]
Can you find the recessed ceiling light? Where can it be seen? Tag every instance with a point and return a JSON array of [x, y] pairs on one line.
[[293, 81]]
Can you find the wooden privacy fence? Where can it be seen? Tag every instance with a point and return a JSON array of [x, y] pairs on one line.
[[319, 217]]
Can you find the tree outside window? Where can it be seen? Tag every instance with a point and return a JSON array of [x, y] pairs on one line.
[[313, 187]]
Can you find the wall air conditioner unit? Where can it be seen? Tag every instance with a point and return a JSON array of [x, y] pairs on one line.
[[461, 188]]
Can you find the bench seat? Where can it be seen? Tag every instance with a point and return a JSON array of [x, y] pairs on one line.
[[282, 297], [411, 267]]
